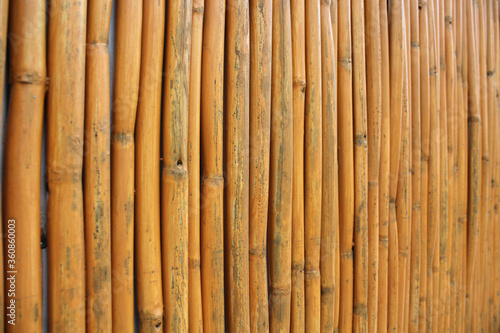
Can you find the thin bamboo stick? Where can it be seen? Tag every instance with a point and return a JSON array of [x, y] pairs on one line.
[[148, 268], [4, 14], [260, 113], [125, 94], [237, 165], [346, 165], [21, 188], [496, 218], [65, 118], [330, 199], [212, 183]]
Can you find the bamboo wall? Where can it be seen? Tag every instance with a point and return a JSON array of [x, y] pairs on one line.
[[261, 165]]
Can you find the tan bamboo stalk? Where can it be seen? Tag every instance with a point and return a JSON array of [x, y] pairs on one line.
[[148, 270], [313, 167], [280, 192], [297, 312], [346, 165], [195, 307], [330, 199], [496, 196], [384, 171], [260, 113], [237, 165], [374, 109], [212, 183], [174, 173], [22, 167], [424, 176], [65, 118], [4, 14], [96, 169], [125, 95]]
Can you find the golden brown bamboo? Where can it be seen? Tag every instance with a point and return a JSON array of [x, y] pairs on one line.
[[496, 197], [4, 14], [212, 183], [65, 118], [148, 269], [237, 165], [260, 112], [346, 165], [174, 173], [21, 187], [280, 193], [195, 308], [330, 199], [125, 94]]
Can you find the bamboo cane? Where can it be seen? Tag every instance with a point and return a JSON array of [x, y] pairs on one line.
[[174, 173], [360, 170], [374, 108], [280, 194], [21, 199], [126, 90], [4, 13], [260, 112], [330, 199], [237, 165], [346, 165], [496, 198], [148, 268], [384, 171], [297, 312], [195, 307], [97, 169], [66, 274], [212, 184]]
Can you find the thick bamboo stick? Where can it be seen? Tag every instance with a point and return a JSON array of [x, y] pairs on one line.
[[212, 183], [330, 198], [174, 173], [346, 165], [384, 171], [148, 268], [237, 165], [195, 304], [96, 168], [4, 14], [125, 95], [260, 113], [21, 187], [65, 118]]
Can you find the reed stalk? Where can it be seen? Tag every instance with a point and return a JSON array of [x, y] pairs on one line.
[[496, 197], [4, 14]]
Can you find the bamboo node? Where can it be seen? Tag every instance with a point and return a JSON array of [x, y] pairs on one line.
[[199, 9], [194, 263], [300, 82], [28, 78], [326, 2], [277, 291], [448, 19], [422, 4], [491, 73], [258, 252], [360, 141], [298, 267], [347, 254], [312, 272], [474, 119], [373, 183], [327, 290], [415, 44], [346, 63]]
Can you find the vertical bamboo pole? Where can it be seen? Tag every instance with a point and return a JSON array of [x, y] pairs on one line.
[[147, 180], [65, 132], [280, 193], [330, 199], [125, 95], [4, 14], [346, 165], [260, 113], [496, 217], [212, 183], [237, 165], [299, 87], [22, 166], [384, 197], [195, 308], [174, 173]]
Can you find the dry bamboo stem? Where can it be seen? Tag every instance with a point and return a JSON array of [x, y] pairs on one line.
[[374, 107], [212, 184], [195, 307], [66, 99], [496, 227], [330, 199], [4, 13], [260, 113], [384, 171], [21, 199], [280, 193], [174, 173], [125, 94], [237, 165], [147, 180], [96, 169], [346, 164], [299, 87]]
